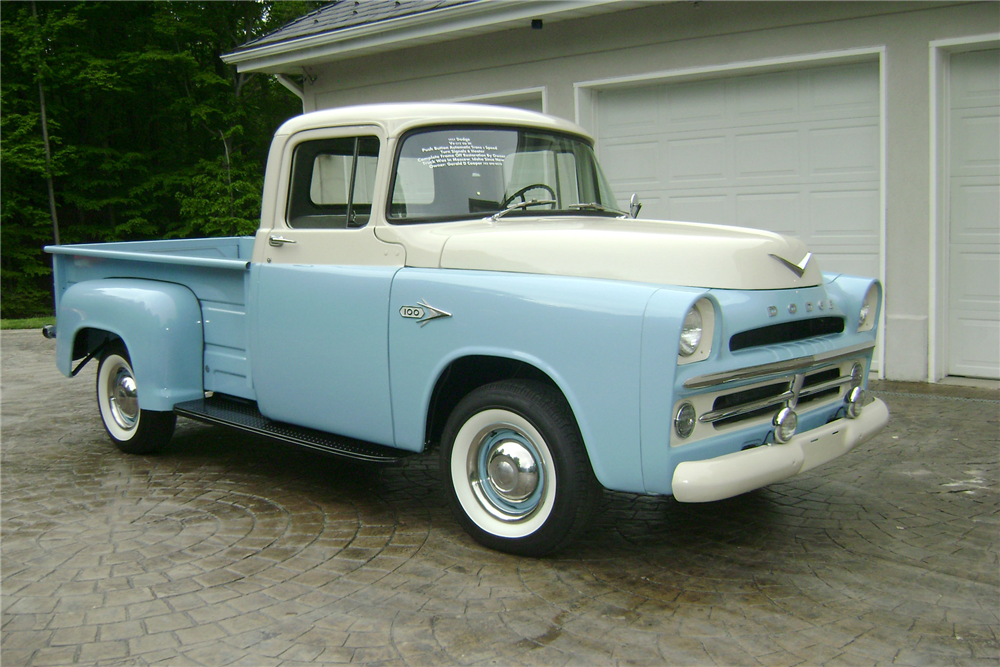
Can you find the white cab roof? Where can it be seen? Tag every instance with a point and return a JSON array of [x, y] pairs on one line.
[[397, 118]]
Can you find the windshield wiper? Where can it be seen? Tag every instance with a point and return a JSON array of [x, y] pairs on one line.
[[594, 206], [521, 206]]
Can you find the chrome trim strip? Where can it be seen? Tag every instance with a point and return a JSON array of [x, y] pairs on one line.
[[719, 415], [778, 367], [830, 384]]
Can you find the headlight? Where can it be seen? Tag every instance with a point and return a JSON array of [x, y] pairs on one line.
[[691, 332], [697, 332], [869, 309]]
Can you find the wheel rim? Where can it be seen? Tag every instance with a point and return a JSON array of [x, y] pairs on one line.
[[503, 473], [122, 398], [506, 473]]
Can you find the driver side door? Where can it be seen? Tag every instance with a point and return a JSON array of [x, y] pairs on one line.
[[321, 351]]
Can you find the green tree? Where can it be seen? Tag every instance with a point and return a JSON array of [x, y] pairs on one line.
[[152, 135]]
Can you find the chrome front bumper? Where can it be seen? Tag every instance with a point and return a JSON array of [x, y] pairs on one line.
[[733, 474]]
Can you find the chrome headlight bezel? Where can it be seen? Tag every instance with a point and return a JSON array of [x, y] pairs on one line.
[[697, 348], [868, 313]]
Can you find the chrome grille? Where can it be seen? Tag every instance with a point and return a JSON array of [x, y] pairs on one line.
[[764, 399]]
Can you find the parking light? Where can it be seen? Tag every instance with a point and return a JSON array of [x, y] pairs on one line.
[[855, 402], [685, 420], [785, 423]]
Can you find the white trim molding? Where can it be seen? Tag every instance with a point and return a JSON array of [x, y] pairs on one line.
[[585, 96], [939, 68]]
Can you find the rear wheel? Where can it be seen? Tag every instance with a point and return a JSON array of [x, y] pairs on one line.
[[518, 475], [132, 429]]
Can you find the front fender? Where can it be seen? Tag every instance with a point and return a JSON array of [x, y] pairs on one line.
[[160, 324], [584, 334]]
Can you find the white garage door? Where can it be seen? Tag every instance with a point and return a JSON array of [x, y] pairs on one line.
[[794, 152], [974, 213]]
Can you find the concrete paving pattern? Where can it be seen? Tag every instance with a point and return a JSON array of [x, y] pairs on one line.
[[232, 550]]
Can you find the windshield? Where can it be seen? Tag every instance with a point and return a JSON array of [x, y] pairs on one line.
[[457, 173]]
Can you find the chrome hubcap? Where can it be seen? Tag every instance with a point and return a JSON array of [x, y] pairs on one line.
[[513, 471], [506, 474], [123, 400]]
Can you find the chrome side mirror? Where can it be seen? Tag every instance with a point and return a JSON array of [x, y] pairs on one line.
[[634, 206]]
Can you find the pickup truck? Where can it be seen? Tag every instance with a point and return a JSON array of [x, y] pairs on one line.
[[461, 277]]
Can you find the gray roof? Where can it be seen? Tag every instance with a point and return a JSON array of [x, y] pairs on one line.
[[347, 14]]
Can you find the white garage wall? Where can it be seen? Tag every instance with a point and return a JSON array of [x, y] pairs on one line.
[[703, 36]]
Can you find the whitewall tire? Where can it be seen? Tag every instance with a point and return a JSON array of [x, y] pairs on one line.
[[518, 476], [132, 429]]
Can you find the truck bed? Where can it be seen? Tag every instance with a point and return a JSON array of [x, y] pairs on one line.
[[216, 270]]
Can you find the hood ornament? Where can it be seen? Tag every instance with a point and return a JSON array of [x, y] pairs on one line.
[[798, 269]]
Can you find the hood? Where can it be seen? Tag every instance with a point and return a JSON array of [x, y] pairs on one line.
[[666, 253]]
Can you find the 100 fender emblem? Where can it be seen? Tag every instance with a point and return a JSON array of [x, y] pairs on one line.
[[422, 312]]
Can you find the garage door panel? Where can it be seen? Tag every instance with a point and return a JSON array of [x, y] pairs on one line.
[[976, 347], [973, 83], [701, 102], [776, 211], [845, 213], [767, 154], [852, 263], [631, 163], [976, 286], [975, 209], [635, 112], [975, 148], [700, 208], [767, 97], [697, 159], [844, 150], [839, 92]]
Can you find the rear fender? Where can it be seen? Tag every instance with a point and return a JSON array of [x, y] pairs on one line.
[[159, 323]]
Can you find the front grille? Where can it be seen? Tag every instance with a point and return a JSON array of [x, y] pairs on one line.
[[764, 394], [787, 332]]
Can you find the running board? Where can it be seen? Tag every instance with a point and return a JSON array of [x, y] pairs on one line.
[[244, 416]]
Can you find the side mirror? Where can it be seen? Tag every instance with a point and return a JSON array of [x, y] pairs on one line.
[[634, 206]]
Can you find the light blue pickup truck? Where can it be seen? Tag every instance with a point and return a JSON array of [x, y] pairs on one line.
[[461, 276]]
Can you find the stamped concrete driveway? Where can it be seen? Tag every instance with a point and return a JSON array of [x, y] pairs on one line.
[[229, 550]]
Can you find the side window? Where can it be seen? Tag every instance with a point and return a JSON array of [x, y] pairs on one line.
[[333, 183]]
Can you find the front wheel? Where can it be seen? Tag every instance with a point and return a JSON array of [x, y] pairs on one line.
[[519, 479], [132, 429]]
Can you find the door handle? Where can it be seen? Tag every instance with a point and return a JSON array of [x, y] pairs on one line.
[[278, 241]]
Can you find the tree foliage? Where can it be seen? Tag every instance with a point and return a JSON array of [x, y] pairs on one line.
[[152, 135]]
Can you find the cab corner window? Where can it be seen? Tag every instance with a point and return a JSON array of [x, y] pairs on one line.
[[333, 183]]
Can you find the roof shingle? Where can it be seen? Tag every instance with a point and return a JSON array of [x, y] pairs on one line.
[[343, 14]]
